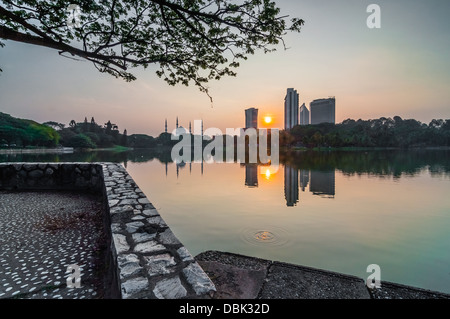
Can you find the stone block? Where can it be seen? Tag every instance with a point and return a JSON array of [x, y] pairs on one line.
[[133, 287], [133, 227], [168, 238], [143, 201], [128, 265], [143, 237], [197, 278], [184, 254], [149, 247], [160, 264], [120, 243], [170, 289], [36, 174], [150, 212]]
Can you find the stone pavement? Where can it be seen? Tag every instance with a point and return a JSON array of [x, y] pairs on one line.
[[242, 277], [41, 234]]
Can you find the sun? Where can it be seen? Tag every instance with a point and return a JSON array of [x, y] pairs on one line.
[[268, 119]]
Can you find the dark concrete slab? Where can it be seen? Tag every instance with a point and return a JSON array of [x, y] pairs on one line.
[[242, 277], [396, 291], [235, 277], [286, 281]]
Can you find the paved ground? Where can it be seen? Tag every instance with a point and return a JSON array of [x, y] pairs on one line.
[[242, 277], [41, 234]]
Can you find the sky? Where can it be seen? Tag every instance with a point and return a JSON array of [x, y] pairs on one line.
[[402, 68]]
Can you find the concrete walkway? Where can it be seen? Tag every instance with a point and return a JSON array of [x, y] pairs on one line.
[[242, 277]]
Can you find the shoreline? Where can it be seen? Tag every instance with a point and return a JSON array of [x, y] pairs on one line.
[[243, 277], [63, 150]]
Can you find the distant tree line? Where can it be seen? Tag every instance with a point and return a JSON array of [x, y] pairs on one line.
[[383, 132], [89, 134], [21, 133]]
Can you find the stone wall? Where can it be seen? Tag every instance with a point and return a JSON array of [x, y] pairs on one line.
[[51, 176], [149, 262]]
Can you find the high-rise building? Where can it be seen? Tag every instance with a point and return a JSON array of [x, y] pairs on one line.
[[291, 109], [251, 118], [304, 115], [323, 111]]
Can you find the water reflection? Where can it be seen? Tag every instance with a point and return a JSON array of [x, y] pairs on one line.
[[313, 171], [322, 183], [393, 163], [291, 185], [251, 175]]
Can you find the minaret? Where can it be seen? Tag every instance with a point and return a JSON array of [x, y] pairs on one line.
[[166, 125], [190, 128], [202, 128], [177, 121]]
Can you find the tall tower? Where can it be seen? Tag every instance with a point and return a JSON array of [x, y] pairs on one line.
[[323, 111], [190, 128], [304, 115], [251, 118], [177, 121], [291, 109], [166, 126]]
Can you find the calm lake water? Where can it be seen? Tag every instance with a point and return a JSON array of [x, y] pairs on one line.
[[339, 211]]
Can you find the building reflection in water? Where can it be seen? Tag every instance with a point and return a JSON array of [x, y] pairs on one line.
[[291, 185], [321, 183], [304, 179], [251, 175]]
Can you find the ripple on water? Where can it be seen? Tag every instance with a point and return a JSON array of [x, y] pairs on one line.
[[269, 236]]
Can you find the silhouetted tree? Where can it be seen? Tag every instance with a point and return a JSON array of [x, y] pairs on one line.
[[191, 41], [55, 125], [85, 125], [108, 127], [92, 126], [73, 124], [125, 138]]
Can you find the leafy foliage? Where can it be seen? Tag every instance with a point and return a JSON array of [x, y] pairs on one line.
[[80, 141], [383, 132], [191, 40], [92, 135], [23, 133]]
